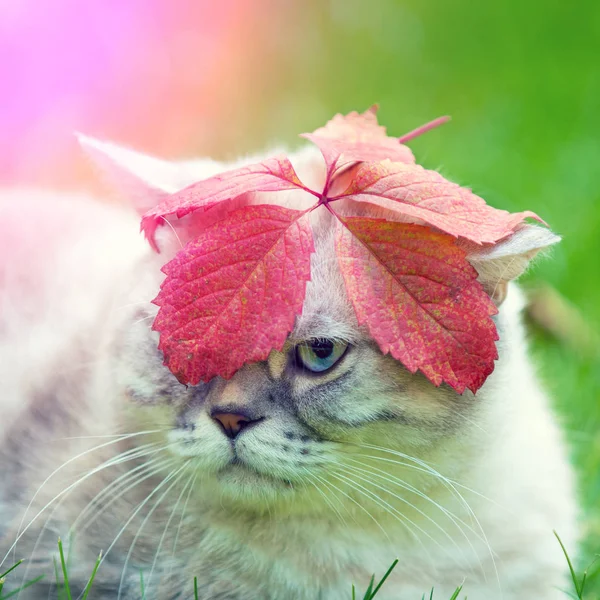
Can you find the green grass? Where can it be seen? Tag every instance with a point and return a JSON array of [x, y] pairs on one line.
[[374, 588], [64, 591], [15, 592]]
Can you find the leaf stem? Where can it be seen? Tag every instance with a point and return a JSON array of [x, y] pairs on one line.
[[328, 180], [423, 129], [326, 205]]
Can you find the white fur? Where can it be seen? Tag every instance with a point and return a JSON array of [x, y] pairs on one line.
[[506, 480]]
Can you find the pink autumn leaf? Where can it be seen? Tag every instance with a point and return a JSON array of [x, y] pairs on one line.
[[420, 299], [271, 175], [232, 295], [355, 137], [425, 195]]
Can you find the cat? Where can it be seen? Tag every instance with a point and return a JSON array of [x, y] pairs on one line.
[[296, 478]]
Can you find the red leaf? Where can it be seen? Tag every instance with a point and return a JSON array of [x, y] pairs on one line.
[[357, 137], [232, 295], [426, 195], [420, 299], [271, 175]]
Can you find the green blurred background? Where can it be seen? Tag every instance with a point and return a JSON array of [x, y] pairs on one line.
[[520, 78]]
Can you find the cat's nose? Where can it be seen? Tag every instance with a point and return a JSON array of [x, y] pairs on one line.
[[233, 423]]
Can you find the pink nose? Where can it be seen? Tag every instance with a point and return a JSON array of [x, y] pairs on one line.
[[232, 423]]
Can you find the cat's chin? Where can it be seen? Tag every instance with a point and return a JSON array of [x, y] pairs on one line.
[[240, 482]]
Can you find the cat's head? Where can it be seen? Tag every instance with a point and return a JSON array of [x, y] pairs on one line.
[[329, 412]]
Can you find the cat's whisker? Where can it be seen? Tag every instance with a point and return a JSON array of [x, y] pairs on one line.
[[122, 457], [20, 533], [449, 484], [312, 479], [189, 483], [407, 486], [354, 471], [446, 481], [176, 476], [371, 470], [425, 467], [139, 508], [328, 485], [374, 498], [411, 488], [394, 512], [112, 436], [307, 492], [142, 319], [167, 222], [134, 477], [183, 514], [362, 508]]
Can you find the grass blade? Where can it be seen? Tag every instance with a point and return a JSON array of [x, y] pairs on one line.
[[57, 579], [3, 576], [573, 576], [369, 591], [23, 587], [88, 587], [583, 580], [64, 569], [387, 574], [195, 588], [142, 585], [457, 592]]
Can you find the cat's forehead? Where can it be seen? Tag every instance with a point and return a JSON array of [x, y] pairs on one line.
[[327, 311]]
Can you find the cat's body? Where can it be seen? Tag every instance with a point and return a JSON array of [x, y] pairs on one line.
[[347, 473]]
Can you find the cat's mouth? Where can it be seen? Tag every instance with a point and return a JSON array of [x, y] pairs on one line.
[[239, 465], [243, 472], [236, 460]]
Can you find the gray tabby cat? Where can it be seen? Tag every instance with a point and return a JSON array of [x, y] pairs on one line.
[[292, 480]]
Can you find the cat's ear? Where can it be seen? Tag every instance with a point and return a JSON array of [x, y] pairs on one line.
[[142, 180], [506, 260]]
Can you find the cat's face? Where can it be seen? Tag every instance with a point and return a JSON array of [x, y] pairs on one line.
[[308, 416], [322, 415]]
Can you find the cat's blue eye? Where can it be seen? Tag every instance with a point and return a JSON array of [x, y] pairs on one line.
[[320, 354]]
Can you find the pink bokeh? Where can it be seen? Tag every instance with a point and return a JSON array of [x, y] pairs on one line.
[[148, 73]]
